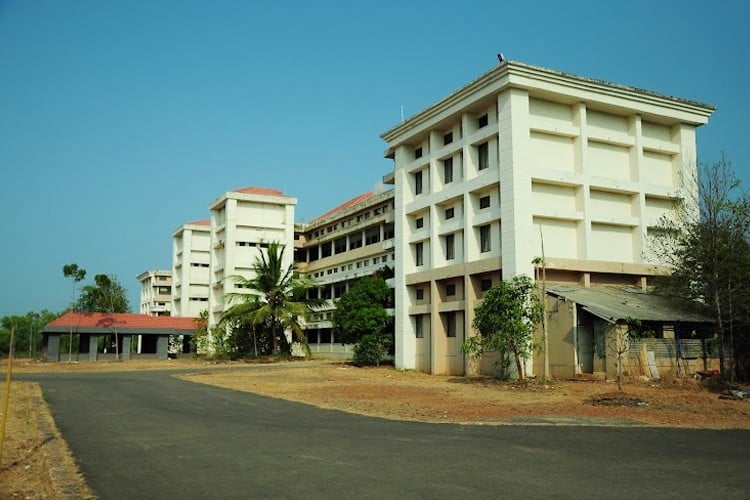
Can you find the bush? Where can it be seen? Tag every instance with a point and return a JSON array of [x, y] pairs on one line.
[[371, 350]]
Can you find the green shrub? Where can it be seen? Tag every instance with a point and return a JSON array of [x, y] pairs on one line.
[[371, 350]]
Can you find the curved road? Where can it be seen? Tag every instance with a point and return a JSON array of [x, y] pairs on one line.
[[150, 435]]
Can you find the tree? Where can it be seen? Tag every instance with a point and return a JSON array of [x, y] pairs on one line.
[[361, 318], [505, 321], [76, 274], [106, 294], [278, 299], [28, 327], [706, 244], [619, 337]]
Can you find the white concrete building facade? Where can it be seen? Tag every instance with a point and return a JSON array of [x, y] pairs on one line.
[[520, 156], [191, 244], [156, 293], [243, 222], [349, 242]]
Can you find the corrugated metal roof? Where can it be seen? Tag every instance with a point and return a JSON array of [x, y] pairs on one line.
[[619, 303]]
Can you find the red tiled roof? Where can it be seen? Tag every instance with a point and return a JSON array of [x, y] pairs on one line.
[[345, 205], [259, 190], [122, 321], [202, 222]]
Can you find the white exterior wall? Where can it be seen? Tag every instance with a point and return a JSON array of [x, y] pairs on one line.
[[341, 269], [156, 293], [190, 269], [594, 165], [241, 224]]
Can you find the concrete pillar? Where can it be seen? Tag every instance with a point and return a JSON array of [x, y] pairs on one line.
[[93, 347], [162, 347], [53, 347], [126, 342], [515, 183]]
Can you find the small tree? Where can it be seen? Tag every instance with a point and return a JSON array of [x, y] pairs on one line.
[[105, 295], [705, 241], [506, 320], [361, 318], [619, 339], [76, 274]]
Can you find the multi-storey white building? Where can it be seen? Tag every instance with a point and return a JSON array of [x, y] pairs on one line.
[[191, 245], [351, 241], [519, 157], [156, 293], [243, 221]]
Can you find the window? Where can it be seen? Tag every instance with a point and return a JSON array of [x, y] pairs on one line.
[[448, 170], [419, 253], [420, 293], [355, 241], [484, 202], [326, 249], [418, 182], [418, 153], [450, 289], [449, 213], [450, 324], [484, 239], [485, 284], [340, 245], [419, 222], [450, 251], [418, 326], [372, 235], [325, 336], [483, 155], [483, 120], [448, 138]]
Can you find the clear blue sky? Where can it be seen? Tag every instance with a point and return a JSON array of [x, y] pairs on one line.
[[120, 121]]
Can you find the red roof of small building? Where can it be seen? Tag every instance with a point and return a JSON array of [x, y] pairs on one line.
[[259, 190], [122, 321], [202, 222], [345, 205]]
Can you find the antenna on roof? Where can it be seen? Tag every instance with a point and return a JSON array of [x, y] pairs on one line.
[[500, 57]]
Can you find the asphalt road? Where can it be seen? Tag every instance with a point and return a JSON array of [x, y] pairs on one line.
[[139, 435]]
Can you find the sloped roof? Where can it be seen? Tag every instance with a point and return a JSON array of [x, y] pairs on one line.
[[123, 322], [202, 222], [259, 190], [617, 304], [347, 204]]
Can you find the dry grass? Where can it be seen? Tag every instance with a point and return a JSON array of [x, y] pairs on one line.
[[36, 462], [388, 393]]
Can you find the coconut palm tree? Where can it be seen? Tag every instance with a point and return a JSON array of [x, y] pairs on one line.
[[277, 301]]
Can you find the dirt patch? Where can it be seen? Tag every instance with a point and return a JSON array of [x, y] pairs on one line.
[[36, 462], [616, 400], [389, 393]]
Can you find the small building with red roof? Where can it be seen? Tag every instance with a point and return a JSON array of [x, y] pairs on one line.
[[123, 327]]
